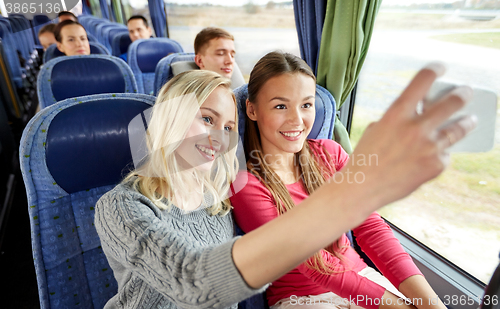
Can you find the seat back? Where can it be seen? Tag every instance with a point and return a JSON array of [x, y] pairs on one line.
[[10, 48], [73, 76], [120, 44], [110, 35], [325, 112], [39, 21], [107, 31], [177, 63], [71, 154], [53, 52], [144, 55]]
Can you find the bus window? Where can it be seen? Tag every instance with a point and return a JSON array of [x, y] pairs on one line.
[[258, 27], [458, 214]]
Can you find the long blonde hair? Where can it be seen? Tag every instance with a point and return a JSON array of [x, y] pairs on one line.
[[176, 106], [313, 169]]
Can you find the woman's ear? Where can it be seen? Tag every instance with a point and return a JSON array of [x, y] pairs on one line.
[[251, 112]]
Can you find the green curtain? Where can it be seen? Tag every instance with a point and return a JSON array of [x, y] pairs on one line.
[[347, 31], [117, 9]]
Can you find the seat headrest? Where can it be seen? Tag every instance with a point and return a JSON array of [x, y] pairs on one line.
[[91, 140], [97, 74], [150, 52]]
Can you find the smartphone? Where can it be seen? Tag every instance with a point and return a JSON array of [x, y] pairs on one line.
[[483, 105]]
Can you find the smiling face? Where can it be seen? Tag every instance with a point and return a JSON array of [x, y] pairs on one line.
[[74, 41], [284, 111], [209, 133], [218, 57]]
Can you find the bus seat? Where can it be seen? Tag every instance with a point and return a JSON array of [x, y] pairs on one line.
[[11, 57], [92, 39], [325, 112], [39, 20], [120, 44], [143, 56], [110, 35], [52, 51], [73, 76], [100, 28], [177, 63], [71, 154]]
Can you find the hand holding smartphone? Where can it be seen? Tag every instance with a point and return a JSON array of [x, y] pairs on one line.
[[483, 105]]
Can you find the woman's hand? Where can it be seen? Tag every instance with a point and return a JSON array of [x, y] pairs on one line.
[[406, 149]]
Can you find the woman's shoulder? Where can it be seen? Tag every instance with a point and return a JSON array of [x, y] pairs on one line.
[[124, 192], [319, 144], [247, 185], [322, 146]]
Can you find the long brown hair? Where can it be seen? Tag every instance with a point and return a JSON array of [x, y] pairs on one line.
[[313, 169]]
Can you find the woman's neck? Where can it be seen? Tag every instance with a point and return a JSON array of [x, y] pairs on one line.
[[190, 196], [284, 166]]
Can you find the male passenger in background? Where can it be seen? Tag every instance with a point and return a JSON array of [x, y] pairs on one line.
[[66, 15], [214, 51], [46, 36], [138, 28]]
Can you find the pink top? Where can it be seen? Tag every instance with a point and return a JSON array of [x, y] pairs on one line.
[[254, 206]]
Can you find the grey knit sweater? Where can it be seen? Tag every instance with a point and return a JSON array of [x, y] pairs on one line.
[[167, 259]]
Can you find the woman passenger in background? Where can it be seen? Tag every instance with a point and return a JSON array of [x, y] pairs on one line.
[[72, 38]]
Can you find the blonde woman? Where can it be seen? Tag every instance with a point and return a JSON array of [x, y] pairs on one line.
[[166, 229]]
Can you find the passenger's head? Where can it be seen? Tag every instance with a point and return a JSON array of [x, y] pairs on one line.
[[214, 51], [65, 15], [72, 38], [138, 28], [192, 129], [280, 106], [46, 35]]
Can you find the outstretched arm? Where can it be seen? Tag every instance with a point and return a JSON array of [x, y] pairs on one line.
[[275, 248]]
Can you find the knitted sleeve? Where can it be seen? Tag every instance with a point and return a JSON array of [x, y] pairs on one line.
[[187, 273]]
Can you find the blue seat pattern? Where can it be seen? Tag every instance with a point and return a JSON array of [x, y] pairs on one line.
[[73, 76], [325, 112], [53, 52], [88, 137], [143, 56]]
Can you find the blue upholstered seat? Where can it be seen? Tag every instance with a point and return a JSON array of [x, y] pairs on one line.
[[144, 55], [110, 34], [120, 44], [177, 63], [71, 154], [52, 51], [325, 112], [73, 76], [10, 48], [39, 20]]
